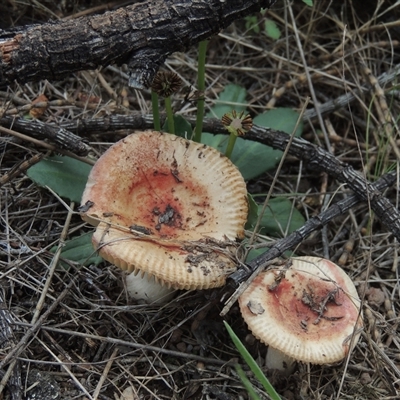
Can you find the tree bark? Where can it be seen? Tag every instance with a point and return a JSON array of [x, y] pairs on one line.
[[141, 35]]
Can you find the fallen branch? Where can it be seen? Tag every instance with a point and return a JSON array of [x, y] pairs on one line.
[[61, 137], [141, 35], [319, 159], [350, 96]]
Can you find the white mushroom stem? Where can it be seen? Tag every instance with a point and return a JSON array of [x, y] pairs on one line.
[[143, 287], [275, 359]]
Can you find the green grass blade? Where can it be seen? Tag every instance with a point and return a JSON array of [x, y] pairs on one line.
[[252, 364], [170, 115], [231, 145], [246, 383]]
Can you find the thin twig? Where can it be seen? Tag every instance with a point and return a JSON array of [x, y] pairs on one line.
[[104, 374]]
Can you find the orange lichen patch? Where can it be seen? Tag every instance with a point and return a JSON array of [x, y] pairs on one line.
[[6, 48], [308, 311], [167, 204]]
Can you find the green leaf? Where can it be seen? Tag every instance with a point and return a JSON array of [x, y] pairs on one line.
[[281, 119], [253, 212], [251, 24], [280, 216], [308, 2], [248, 156], [252, 364], [65, 175], [246, 383], [80, 250], [253, 253], [232, 94], [271, 29], [182, 127]]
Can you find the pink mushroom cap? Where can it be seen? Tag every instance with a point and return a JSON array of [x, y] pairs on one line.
[[310, 312], [169, 207]]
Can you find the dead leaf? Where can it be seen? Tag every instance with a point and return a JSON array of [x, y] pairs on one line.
[[38, 112], [129, 394]]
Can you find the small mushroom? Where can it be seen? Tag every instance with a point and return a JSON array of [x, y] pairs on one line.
[[169, 208], [308, 312]]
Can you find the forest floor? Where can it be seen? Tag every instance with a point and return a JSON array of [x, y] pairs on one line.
[[93, 342]]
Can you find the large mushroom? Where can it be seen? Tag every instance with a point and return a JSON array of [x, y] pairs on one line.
[[167, 207], [308, 312]]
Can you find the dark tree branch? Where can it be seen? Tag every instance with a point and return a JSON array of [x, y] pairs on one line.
[[141, 35], [62, 138], [319, 159], [347, 98]]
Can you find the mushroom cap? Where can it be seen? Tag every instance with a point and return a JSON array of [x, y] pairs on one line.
[[308, 312], [167, 206]]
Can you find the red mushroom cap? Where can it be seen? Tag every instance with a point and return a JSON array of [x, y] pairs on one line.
[[308, 312], [167, 206]]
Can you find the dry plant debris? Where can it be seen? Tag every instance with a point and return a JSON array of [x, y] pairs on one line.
[[76, 326]]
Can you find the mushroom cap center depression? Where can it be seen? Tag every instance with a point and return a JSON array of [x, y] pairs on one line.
[[308, 306], [166, 201]]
